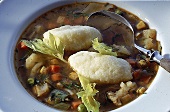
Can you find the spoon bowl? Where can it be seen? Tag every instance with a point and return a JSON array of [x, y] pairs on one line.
[[119, 29], [123, 34]]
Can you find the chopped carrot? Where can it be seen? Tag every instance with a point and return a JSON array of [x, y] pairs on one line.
[[56, 77], [54, 68], [75, 104], [22, 46]]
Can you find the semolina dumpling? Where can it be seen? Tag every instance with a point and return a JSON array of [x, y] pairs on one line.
[[75, 37], [100, 68]]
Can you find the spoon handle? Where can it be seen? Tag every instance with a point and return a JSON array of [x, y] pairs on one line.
[[165, 63]]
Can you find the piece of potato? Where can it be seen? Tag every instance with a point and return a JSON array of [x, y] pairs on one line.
[[140, 25], [147, 39], [41, 90]]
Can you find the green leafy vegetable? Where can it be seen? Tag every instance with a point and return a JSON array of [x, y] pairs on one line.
[[52, 46], [31, 81], [103, 48], [87, 95], [58, 95]]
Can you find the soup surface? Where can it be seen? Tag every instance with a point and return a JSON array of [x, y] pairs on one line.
[[56, 83]]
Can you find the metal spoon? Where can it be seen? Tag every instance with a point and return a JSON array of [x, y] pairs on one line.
[[104, 20]]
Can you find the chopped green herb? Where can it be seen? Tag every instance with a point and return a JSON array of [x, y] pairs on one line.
[[72, 85], [58, 95]]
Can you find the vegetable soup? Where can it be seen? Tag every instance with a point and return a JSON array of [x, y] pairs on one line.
[[70, 66]]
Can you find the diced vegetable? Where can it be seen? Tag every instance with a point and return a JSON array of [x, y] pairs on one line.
[[142, 63], [75, 104], [59, 85], [73, 76], [150, 33], [140, 25], [54, 68], [43, 70], [40, 90], [115, 97], [60, 19], [22, 46], [141, 90], [147, 39], [56, 77]]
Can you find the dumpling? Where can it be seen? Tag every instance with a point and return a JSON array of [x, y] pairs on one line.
[[75, 38], [100, 68]]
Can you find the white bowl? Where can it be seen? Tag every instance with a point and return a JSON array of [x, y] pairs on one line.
[[15, 15]]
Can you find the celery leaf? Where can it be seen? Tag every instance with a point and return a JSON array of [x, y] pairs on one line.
[[51, 46], [103, 48], [87, 95]]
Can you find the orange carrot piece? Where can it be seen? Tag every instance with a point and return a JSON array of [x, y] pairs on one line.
[[22, 45], [54, 68], [56, 77], [75, 104]]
